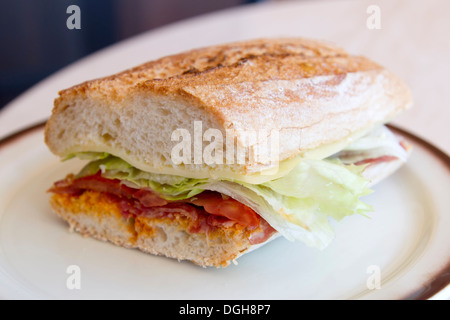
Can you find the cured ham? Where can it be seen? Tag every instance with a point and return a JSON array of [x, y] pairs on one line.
[[206, 211], [374, 161]]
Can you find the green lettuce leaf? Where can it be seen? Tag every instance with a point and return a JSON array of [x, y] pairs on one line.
[[312, 193], [168, 186], [300, 205]]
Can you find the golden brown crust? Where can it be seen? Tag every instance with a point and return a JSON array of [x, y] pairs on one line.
[[199, 63], [256, 60]]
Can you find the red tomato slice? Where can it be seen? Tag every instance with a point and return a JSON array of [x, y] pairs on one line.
[[215, 203]]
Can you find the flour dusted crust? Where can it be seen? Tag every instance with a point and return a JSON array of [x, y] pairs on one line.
[[312, 92]]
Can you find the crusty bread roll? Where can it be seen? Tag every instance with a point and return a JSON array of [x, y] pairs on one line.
[[312, 93], [317, 97]]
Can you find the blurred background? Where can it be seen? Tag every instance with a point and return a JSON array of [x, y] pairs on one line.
[[35, 41]]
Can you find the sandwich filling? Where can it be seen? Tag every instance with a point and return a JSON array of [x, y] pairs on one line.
[[205, 212], [299, 205]]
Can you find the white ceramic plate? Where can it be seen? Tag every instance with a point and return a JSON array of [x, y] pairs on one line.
[[401, 252]]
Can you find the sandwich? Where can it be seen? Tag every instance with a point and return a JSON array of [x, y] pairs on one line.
[[211, 153]]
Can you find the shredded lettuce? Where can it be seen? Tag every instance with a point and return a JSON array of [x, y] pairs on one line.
[[299, 205], [168, 186], [311, 194], [377, 143]]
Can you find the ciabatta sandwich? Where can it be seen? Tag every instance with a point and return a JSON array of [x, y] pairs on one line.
[[208, 154]]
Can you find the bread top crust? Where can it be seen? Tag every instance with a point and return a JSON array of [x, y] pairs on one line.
[[202, 66], [304, 87]]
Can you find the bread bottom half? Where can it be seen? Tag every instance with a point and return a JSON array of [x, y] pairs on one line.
[[93, 214]]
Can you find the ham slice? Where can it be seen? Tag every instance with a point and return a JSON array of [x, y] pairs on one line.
[[206, 211], [374, 161]]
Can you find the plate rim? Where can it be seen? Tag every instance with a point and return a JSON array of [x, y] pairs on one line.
[[439, 281]]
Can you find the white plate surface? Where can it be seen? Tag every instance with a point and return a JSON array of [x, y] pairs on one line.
[[401, 252]]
